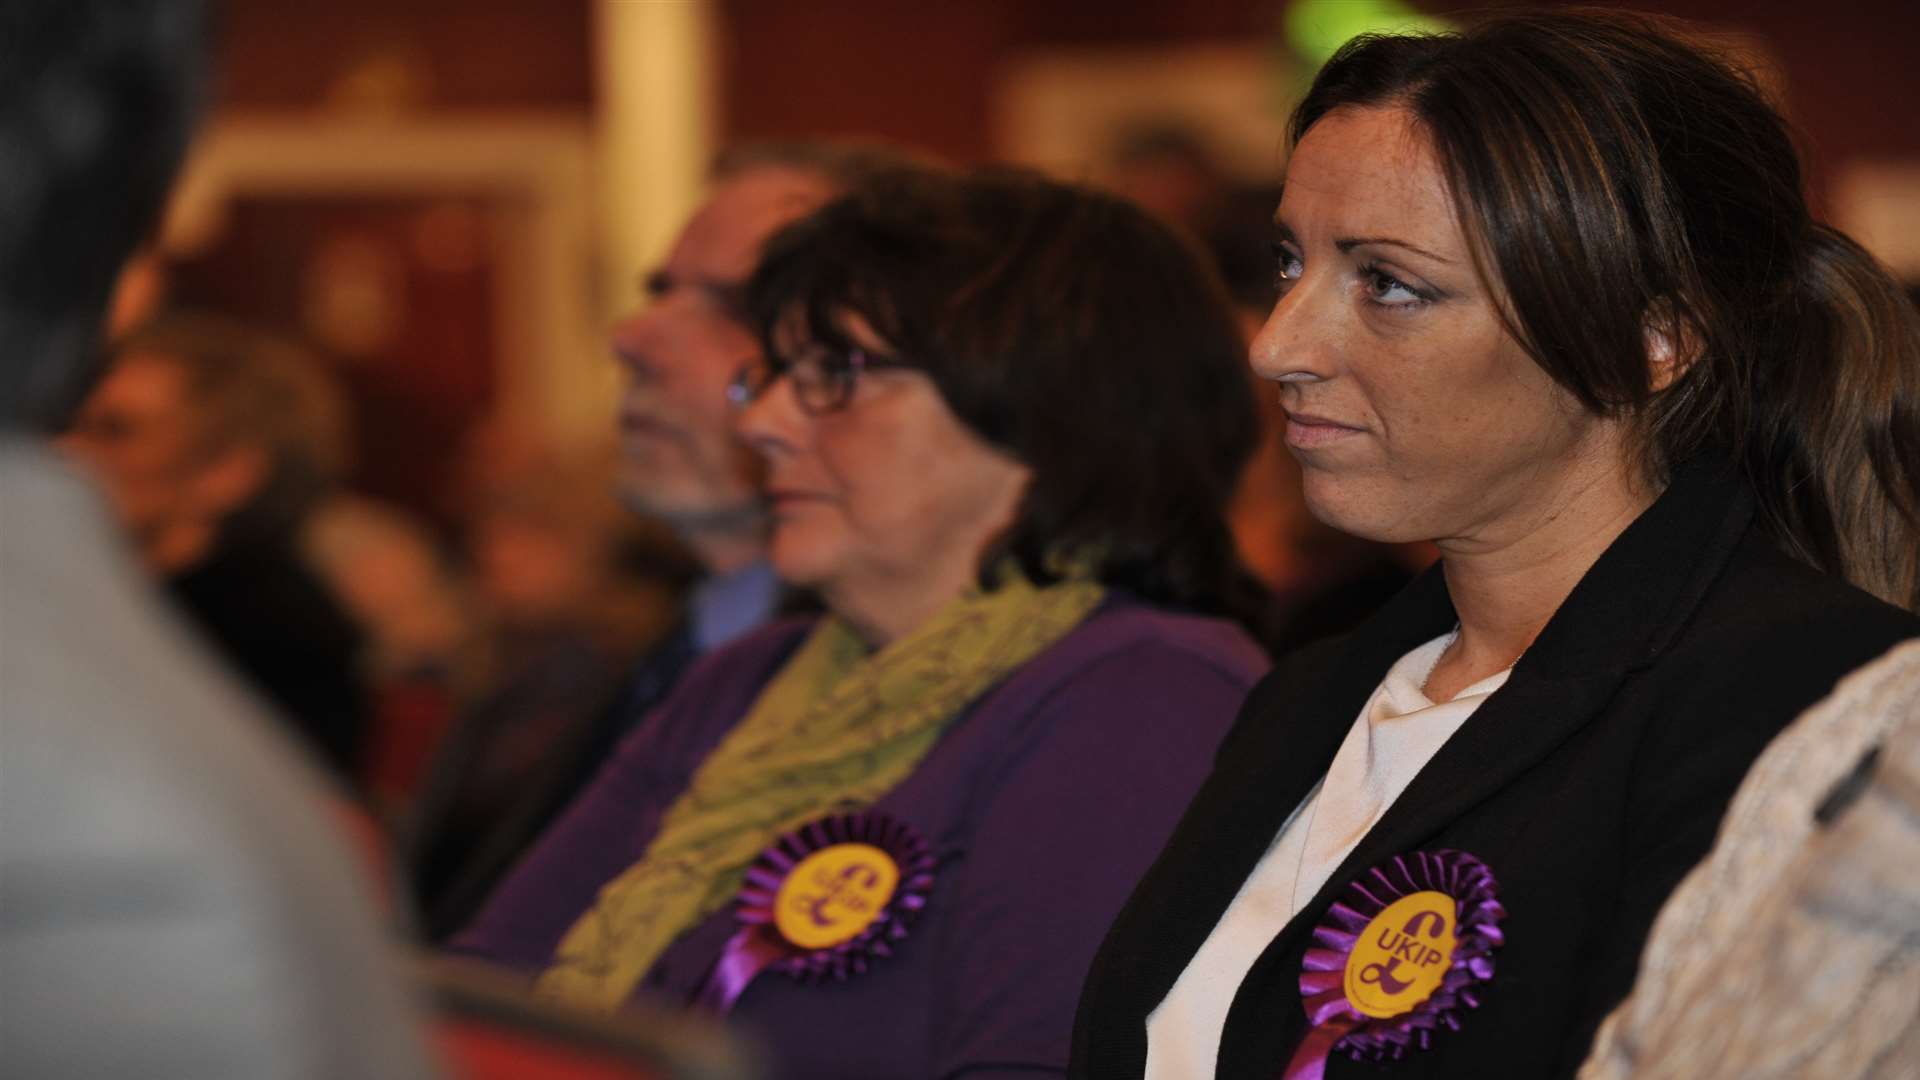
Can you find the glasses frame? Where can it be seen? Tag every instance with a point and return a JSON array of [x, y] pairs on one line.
[[819, 386]]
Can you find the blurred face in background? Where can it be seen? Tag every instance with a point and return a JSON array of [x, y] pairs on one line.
[[142, 440], [681, 460]]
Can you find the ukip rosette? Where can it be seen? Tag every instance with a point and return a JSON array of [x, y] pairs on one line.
[[824, 902], [1401, 953]]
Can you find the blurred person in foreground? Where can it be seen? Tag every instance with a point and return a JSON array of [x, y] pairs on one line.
[[174, 899], [1555, 302], [213, 443], [1002, 419], [681, 463]]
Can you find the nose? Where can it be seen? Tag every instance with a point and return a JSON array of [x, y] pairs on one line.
[[1296, 343], [773, 424], [632, 342]]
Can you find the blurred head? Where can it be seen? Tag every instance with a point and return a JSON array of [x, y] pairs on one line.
[[101, 96], [199, 421], [963, 369], [682, 461], [1550, 237]]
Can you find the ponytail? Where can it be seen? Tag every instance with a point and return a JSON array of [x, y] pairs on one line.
[[1834, 456]]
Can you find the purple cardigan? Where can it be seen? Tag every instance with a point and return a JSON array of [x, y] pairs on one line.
[[1044, 803]]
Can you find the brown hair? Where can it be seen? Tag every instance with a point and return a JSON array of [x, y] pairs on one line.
[[1067, 327], [1622, 181]]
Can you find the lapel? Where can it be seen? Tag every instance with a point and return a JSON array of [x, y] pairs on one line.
[[1618, 619], [1282, 744]]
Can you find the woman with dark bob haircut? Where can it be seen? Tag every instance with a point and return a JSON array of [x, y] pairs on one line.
[[1001, 419], [1552, 300]]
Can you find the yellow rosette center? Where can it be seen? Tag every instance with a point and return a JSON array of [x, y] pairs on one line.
[[833, 894], [1402, 955]]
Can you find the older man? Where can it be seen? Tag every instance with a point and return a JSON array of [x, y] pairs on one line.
[[681, 463]]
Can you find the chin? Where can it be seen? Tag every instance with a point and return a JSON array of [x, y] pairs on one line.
[[801, 560], [1357, 510]]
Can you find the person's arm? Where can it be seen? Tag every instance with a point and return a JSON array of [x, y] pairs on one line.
[[1091, 786]]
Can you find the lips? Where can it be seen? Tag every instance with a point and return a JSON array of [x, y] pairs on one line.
[[1307, 431]]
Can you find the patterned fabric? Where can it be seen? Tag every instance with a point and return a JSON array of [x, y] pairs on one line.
[[837, 727]]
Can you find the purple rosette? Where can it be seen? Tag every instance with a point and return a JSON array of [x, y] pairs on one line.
[[1387, 970], [822, 903]]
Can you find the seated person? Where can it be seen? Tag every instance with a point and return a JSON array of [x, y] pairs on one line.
[[1553, 300], [1002, 419], [212, 442]]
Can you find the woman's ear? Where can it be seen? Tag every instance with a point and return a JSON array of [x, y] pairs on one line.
[[1672, 344]]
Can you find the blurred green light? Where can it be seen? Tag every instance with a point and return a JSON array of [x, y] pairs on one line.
[[1317, 28]]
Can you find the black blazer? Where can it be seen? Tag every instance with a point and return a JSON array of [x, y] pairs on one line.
[[1589, 784]]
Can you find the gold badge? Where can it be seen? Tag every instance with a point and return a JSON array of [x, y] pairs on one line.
[[833, 894], [1402, 955]]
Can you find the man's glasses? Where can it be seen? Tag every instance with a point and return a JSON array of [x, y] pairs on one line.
[[823, 381]]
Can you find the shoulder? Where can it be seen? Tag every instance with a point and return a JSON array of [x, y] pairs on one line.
[[716, 690], [1128, 639], [1770, 638], [751, 658], [1128, 679], [1770, 619]]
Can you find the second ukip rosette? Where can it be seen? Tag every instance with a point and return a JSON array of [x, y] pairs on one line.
[[1401, 953]]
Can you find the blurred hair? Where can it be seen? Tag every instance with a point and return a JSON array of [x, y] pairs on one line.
[[1064, 326], [1623, 183], [97, 99], [246, 387]]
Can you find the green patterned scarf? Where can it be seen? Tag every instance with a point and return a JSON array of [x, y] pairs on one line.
[[836, 727]]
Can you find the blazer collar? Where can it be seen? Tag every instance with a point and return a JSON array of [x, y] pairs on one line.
[[1623, 613]]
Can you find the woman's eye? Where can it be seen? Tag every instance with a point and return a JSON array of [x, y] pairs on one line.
[[1383, 288], [1288, 266]]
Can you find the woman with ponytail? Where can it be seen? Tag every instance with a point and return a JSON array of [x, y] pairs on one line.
[[1553, 300]]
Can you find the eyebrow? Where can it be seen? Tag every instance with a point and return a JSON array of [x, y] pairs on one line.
[[730, 295], [1347, 243]]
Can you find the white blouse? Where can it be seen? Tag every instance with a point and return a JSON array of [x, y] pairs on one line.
[[1397, 732]]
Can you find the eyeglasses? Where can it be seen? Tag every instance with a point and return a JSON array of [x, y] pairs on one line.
[[823, 381]]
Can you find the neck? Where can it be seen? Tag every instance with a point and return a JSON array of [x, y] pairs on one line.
[[723, 545], [176, 548], [1504, 593]]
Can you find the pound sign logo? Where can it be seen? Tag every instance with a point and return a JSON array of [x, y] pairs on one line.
[[833, 894], [1401, 957]]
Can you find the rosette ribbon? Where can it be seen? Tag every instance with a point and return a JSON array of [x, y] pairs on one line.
[[823, 902], [1403, 952]]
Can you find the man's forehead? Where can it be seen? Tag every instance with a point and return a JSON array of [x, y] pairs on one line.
[[724, 237]]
